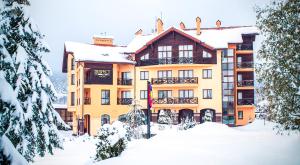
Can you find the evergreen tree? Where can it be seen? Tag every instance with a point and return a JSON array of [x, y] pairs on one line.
[[135, 118], [30, 126], [279, 70]]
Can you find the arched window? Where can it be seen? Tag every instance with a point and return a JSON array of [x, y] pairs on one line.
[[122, 118], [105, 119]]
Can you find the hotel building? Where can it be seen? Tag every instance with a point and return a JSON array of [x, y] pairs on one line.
[[193, 71]]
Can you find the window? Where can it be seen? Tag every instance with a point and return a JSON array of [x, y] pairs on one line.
[[144, 75], [240, 114], [105, 119], [165, 54], [207, 73], [207, 94], [143, 94], [126, 75], [105, 97], [206, 54], [186, 94], [72, 98], [145, 57], [164, 74], [185, 53], [185, 73], [164, 94], [73, 79], [126, 94], [72, 63]]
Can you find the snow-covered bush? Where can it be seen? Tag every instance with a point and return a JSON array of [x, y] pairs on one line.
[[208, 116], [112, 141], [187, 123], [135, 118], [165, 117]]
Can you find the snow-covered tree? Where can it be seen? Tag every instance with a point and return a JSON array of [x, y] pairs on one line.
[[112, 141], [29, 123], [165, 117], [279, 70], [208, 116], [135, 119], [187, 123]]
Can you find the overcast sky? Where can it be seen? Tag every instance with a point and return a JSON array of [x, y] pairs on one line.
[[79, 20]]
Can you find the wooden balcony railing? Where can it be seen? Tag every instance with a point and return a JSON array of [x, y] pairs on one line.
[[244, 47], [245, 83], [87, 100], [175, 80], [176, 100], [177, 60], [124, 101], [245, 101], [124, 81], [245, 65]]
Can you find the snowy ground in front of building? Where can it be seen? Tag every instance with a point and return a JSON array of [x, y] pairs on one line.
[[208, 143]]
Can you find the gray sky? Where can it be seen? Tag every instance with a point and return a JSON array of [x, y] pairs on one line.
[[79, 20]]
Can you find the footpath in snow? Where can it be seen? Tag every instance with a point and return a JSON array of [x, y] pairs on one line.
[[208, 143]]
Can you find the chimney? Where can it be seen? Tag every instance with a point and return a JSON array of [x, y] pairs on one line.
[[218, 23], [159, 26], [103, 40], [182, 26], [139, 32], [198, 24]]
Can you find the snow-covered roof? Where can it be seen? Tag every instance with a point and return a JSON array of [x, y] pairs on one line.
[[217, 38], [60, 106], [103, 36], [96, 53]]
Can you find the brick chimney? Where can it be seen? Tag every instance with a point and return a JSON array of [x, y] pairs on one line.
[[198, 24], [218, 23], [182, 26], [139, 32], [159, 26], [103, 40]]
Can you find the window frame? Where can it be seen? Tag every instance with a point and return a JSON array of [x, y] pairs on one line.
[[144, 94], [205, 94], [189, 91], [167, 93], [167, 72], [72, 103], [205, 74], [242, 115], [144, 75], [72, 79], [104, 98], [184, 72], [206, 54]]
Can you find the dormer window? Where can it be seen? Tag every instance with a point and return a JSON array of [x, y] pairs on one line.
[[185, 54], [206, 54], [165, 54], [145, 57]]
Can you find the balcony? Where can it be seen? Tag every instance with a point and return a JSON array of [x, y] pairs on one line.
[[87, 101], [245, 101], [245, 65], [244, 47], [176, 100], [177, 60], [124, 101], [124, 81], [245, 83], [175, 80]]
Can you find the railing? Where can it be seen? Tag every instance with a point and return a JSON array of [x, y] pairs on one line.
[[175, 80], [245, 101], [124, 101], [244, 83], [177, 60], [124, 81], [244, 47], [245, 65], [87, 100], [176, 100]]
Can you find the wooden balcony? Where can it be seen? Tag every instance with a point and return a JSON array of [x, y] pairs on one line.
[[124, 101], [245, 101], [245, 65], [175, 80], [124, 81], [87, 100], [245, 83], [177, 60], [176, 100], [244, 46]]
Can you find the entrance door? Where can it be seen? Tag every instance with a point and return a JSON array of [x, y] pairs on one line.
[[87, 124]]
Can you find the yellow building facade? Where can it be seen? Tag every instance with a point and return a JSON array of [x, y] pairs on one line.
[[195, 73]]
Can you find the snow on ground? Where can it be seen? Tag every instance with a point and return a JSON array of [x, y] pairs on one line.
[[208, 143]]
